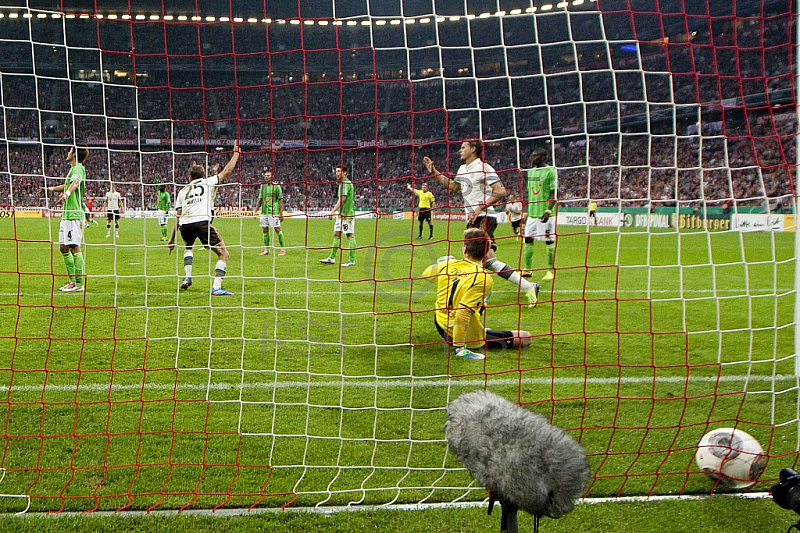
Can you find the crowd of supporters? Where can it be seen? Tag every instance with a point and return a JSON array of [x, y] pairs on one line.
[[381, 129]]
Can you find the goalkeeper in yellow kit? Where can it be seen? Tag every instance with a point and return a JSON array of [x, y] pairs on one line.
[[462, 288]]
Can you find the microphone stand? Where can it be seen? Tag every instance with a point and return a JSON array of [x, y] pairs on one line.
[[508, 520]]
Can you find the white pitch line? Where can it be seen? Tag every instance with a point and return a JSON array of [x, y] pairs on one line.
[[371, 383], [356, 508]]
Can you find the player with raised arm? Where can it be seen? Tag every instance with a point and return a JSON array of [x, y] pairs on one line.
[[163, 203], [193, 216], [542, 183], [345, 211], [426, 203], [112, 200], [462, 288], [70, 230], [270, 200], [481, 189]]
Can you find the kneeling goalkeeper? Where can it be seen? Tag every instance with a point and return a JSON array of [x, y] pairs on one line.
[[462, 288]]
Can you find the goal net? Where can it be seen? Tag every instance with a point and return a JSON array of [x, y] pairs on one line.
[[667, 301]]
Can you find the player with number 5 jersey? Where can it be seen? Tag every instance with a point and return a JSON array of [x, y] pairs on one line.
[[193, 216]]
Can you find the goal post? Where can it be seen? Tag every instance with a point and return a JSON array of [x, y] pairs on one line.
[[667, 303]]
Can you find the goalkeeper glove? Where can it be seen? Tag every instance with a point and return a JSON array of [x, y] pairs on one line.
[[466, 353]]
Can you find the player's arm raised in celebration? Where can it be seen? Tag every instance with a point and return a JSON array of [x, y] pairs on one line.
[[225, 172], [451, 185]]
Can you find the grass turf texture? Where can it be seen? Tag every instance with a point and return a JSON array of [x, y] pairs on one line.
[[318, 384]]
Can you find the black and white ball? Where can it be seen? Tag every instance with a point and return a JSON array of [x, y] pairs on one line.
[[731, 457]]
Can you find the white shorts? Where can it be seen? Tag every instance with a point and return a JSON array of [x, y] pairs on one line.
[[541, 231], [270, 221], [162, 217], [70, 232], [348, 226]]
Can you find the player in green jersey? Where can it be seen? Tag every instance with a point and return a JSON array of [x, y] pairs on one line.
[[270, 200], [541, 184], [70, 231], [163, 204], [345, 210]]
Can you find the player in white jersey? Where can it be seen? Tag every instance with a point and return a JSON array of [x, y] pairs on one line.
[[193, 213], [112, 200], [481, 188]]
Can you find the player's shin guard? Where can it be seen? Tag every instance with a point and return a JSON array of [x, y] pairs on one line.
[[78, 260], [219, 273], [505, 271], [69, 262], [527, 256], [351, 243], [335, 247], [188, 257]]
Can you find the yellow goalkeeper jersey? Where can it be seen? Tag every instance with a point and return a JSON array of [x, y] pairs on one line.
[[462, 288]]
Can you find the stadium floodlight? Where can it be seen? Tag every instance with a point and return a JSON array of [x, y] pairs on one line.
[[425, 20]]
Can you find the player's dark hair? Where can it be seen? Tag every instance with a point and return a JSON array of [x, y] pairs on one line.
[[476, 244], [538, 158], [343, 168], [162, 188], [197, 172], [81, 152], [478, 145]]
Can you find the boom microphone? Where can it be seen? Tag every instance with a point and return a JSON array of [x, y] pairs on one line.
[[524, 462]]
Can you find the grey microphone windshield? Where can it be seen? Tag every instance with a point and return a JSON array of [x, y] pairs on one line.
[[523, 461]]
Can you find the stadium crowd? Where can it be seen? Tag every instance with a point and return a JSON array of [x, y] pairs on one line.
[[381, 128]]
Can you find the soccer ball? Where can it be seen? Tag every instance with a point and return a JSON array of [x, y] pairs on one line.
[[731, 458]]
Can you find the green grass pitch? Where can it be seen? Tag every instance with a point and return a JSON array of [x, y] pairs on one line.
[[318, 384]]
